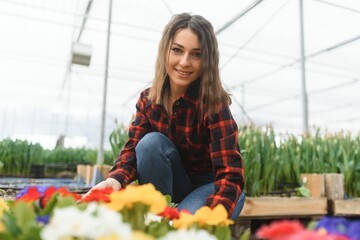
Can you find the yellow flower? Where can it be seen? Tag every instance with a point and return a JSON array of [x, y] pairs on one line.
[[185, 220], [2, 227], [109, 237], [138, 235], [215, 216], [204, 216], [3, 207], [146, 194]]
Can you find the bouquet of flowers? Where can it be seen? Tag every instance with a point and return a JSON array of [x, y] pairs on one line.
[[136, 212]]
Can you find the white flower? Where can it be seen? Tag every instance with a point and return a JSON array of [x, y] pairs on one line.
[[150, 217], [94, 222], [190, 234]]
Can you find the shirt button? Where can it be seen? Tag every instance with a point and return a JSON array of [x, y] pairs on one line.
[[177, 103]]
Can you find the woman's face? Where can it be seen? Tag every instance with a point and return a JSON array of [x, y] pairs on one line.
[[184, 60]]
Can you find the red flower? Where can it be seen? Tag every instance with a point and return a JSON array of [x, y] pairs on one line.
[[63, 191], [279, 229], [49, 192], [31, 195], [98, 195], [172, 213]]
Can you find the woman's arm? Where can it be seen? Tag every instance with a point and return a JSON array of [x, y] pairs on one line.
[[226, 159]]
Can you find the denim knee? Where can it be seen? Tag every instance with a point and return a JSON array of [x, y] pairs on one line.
[[149, 142]]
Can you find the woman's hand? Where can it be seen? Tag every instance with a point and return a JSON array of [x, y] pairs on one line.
[[109, 182]]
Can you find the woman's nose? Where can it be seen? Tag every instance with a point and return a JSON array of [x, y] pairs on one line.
[[185, 61]]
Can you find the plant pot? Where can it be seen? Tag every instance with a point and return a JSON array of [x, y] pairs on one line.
[[334, 186], [37, 171], [315, 182]]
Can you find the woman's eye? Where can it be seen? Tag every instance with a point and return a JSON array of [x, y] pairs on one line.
[[197, 54], [177, 50]]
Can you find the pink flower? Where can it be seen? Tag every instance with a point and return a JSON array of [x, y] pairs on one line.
[[279, 229], [311, 235]]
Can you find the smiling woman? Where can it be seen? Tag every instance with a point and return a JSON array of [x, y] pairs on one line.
[[184, 139]]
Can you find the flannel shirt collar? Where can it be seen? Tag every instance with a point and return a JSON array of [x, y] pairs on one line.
[[191, 96]]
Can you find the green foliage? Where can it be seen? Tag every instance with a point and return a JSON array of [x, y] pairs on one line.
[[118, 139], [273, 160], [17, 156]]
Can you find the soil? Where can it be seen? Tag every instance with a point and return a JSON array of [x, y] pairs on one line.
[[8, 194]]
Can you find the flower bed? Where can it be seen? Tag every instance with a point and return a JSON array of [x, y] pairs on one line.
[[137, 212]]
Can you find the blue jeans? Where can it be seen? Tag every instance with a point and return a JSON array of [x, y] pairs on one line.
[[159, 163]]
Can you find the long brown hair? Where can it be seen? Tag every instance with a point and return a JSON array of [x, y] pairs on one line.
[[211, 93]]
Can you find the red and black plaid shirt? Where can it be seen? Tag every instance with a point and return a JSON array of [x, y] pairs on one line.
[[205, 145]]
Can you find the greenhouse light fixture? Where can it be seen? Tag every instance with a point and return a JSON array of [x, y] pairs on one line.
[[81, 54]]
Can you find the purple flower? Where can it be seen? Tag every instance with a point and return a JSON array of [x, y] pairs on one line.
[[43, 219], [353, 231], [41, 190], [340, 226], [333, 225]]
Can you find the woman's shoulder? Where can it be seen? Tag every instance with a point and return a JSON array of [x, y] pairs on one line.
[[143, 100]]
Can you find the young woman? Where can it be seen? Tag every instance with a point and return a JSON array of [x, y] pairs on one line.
[[184, 139]]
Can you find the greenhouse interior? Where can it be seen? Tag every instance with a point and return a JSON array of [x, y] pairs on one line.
[[72, 72]]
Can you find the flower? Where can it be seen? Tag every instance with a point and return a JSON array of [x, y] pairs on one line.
[[279, 229], [172, 213], [43, 194], [204, 216], [335, 225], [3, 207], [313, 235], [190, 234], [31, 194], [215, 216], [133, 213], [353, 230], [214, 221], [339, 226], [294, 230], [95, 222], [145, 194], [98, 195]]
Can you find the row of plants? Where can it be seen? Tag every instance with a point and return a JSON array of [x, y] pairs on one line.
[[17, 157], [274, 161]]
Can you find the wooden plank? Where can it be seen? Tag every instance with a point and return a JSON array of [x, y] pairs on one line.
[[347, 207], [281, 206]]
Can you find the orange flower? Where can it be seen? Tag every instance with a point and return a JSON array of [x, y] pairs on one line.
[[98, 195]]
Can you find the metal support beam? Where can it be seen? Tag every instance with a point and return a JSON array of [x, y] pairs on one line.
[[303, 71], [234, 19], [100, 155]]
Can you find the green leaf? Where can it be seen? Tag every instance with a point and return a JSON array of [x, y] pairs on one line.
[[303, 191], [10, 224], [158, 229], [24, 214], [245, 235]]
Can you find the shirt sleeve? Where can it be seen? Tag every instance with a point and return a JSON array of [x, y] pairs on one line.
[[227, 161], [124, 169]]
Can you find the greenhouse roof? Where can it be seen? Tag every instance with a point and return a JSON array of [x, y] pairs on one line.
[[44, 96]]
